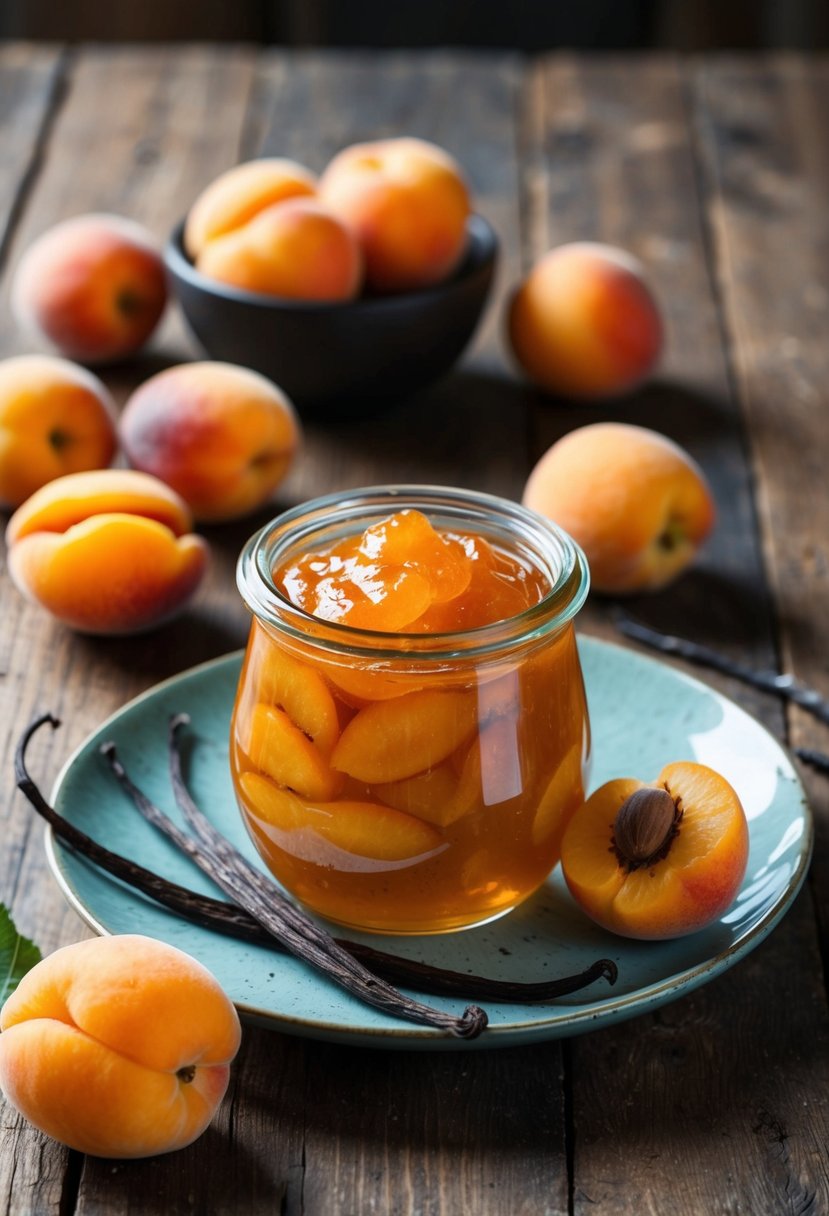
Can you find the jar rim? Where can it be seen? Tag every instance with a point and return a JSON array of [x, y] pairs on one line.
[[567, 593]]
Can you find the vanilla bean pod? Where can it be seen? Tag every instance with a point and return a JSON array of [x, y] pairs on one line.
[[200, 909], [296, 931], [781, 685], [219, 916], [440, 979]]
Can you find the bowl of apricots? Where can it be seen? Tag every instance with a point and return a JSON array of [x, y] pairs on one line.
[[349, 290]]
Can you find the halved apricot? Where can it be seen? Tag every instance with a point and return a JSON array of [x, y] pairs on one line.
[[110, 574], [390, 740], [366, 829], [657, 860], [69, 500], [284, 752]]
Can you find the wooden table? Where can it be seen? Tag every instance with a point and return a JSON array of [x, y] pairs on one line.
[[715, 172]]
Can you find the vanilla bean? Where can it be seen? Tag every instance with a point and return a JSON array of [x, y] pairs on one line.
[[219, 916], [296, 931], [818, 760], [195, 907], [781, 685]]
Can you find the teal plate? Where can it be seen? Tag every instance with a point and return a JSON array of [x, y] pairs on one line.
[[644, 714]]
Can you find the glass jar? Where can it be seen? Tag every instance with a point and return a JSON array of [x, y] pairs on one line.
[[410, 782]]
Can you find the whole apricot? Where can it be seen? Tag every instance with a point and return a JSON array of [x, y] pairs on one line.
[[55, 418], [584, 322], [223, 437], [657, 860], [296, 249], [106, 552], [637, 503], [93, 286], [407, 202], [118, 1046], [236, 196]]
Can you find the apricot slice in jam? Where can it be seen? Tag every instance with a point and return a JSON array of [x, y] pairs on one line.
[[303, 694], [491, 772], [432, 795], [390, 740], [408, 538], [281, 750], [659, 860], [359, 685], [563, 794], [362, 828]]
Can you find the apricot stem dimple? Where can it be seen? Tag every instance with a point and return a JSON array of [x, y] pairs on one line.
[[129, 302], [59, 439], [672, 536], [187, 1073], [645, 827]]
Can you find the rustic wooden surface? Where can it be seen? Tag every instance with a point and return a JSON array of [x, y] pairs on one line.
[[717, 174]]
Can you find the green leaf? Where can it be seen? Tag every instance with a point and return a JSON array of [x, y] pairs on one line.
[[17, 955]]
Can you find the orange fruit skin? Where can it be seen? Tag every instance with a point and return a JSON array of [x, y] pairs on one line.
[[235, 197], [693, 885], [118, 1046], [55, 418], [584, 323], [94, 286], [221, 436], [407, 203], [637, 503]]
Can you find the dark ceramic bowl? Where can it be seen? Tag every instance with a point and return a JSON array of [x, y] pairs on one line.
[[345, 358]]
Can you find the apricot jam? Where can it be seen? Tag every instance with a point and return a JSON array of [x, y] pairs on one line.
[[410, 733]]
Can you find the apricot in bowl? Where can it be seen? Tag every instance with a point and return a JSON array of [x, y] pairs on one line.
[[340, 358]]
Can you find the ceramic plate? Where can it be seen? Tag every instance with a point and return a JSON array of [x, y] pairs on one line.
[[644, 714]]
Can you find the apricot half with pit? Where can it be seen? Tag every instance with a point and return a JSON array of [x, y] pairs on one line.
[[657, 860]]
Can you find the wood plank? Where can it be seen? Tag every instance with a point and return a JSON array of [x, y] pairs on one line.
[[476, 1132], [615, 162], [30, 79], [763, 143], [610, 161], [29, 84], [137, 133]]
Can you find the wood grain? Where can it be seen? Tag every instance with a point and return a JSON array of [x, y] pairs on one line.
[[134, 133], [717, 176], [617, 163]]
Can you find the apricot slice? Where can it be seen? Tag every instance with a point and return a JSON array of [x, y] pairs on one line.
[[390, 740], [301, 692], [362, 684], [366, 829], [284, 752], [407, 538], [644, 870], [432, 795], [564, 792]]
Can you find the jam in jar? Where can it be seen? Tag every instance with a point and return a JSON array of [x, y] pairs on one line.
[[410, 735]]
